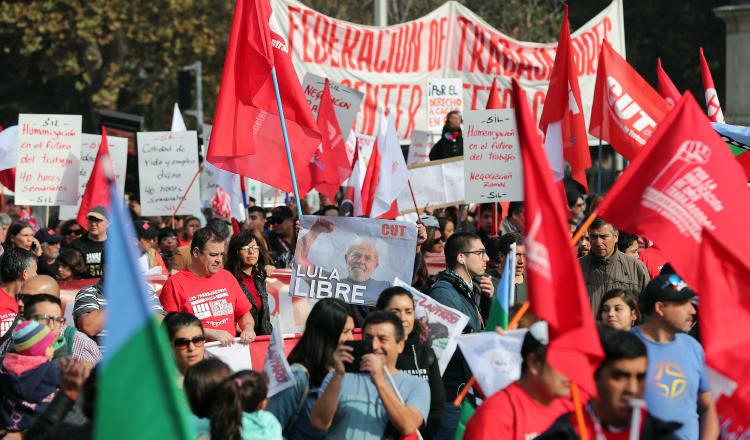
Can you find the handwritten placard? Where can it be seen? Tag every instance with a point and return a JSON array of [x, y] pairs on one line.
[[419, 148], [49, 150], [167, 163], [346, 101], [443, 95], [118, 153], [492, 158]]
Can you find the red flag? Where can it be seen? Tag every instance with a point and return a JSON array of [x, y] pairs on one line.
[[246, 138], [330, 165], [626, 109], [97, 188], [713, 106], [493, 102], [370, 184], [556, 289], [8, 178], [562, 119], [667, 89]]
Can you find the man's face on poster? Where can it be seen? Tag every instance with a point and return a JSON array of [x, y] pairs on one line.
[[361, 261]]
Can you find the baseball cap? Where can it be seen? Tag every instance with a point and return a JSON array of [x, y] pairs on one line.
[[666, 287], [281, 213], [48, 236], [145, 229], [98, 212]]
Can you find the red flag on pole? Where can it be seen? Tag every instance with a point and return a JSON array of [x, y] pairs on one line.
[[246, 138], [330, 165], [556, 289], [493, 101], [370, 183], [713, 106], [562, 119], [626, 109], [97, 188], [667, 89]]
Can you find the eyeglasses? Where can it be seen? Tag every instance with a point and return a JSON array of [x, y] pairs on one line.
[[479, 253], [255, 248], [46, 319], [183, 343]]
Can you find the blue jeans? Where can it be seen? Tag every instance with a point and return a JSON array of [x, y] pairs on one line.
[[450, 421]]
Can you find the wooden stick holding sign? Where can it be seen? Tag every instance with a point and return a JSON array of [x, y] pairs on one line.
[[197, 173]]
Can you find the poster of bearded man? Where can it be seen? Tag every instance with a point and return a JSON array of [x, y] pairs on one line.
[[352, 259]]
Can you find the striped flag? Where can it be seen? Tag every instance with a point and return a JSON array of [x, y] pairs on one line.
[[138, 395], [499, 310]]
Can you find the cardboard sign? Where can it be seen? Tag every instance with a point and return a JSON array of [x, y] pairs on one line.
[[443, 95], [353, 259], [492, 157], [167, 163], [419, 149], [236, 356], [49, 151], [439, 183], [118, 152], [346, 101]]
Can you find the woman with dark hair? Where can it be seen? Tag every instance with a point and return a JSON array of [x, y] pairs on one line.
[[21, 235], [451, 142], [71, 265], [190, 225], [246, 260], [201, 380], [619, 310], [239, 411], [187, 338], [418, 358], [329, 324]]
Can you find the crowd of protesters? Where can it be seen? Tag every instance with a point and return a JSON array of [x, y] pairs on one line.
[[647, 318]]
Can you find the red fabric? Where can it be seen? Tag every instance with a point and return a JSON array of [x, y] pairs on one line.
[[493, 101], [713, 106], [8, 311], [744, 161], [392, 212], [666, 87], [370, 184], [687, 194], [246, 137], [330, 166], [653, 259], [97, 188], [563, 104], [250, 285], [556, 289], [8, 178], [218, 300], [626, 109], [511, 414]]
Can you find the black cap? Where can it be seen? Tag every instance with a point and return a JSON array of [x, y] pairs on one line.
[[281, 213], [48, 236], [666, 287], [146, 229], [98, 212]]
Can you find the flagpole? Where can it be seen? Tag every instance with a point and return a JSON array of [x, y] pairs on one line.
[[414, 199], [584, 227], [286, 143], [582, 432]]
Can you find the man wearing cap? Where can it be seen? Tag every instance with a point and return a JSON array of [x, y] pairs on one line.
[[528, 407], [149, 258], [50, 242], [677, 386], [281, 237], [91, 244]]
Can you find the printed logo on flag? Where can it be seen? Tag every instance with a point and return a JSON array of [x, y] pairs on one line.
[[537, 255], [712, 105], [628, 114]]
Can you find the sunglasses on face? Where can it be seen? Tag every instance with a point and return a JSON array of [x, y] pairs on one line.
[[183, 343], [75, 232]]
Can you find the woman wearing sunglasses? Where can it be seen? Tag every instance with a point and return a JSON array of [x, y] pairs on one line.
[[246, 260], [187, 338]]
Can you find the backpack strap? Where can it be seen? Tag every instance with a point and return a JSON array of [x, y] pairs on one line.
[[300, 406]]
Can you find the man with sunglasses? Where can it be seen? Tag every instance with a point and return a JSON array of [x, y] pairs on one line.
[[677, 386], [91, 245]]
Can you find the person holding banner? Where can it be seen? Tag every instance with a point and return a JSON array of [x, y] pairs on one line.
[[451, 143], [246, 260], [418, 358]]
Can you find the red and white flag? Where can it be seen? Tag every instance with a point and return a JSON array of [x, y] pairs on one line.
[[247, 137], [493, 101], [666, 87], [562, 119], [330, 165], [626, 109], [392, 175], [97, 192], [687, 193], [556, 289], [353, 185], [713, 106]]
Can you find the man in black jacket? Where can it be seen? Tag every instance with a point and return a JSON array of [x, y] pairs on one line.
[[620, 382]]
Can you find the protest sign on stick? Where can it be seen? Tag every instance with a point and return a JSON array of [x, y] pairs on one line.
[[118, 152], [443, 95], [346, 101], [492, 157], [167, 162], [444, 324], [49, 150], [439, 183], [419, 148], [353, 259]]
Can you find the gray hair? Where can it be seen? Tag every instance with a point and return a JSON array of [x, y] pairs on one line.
[[5, 220]]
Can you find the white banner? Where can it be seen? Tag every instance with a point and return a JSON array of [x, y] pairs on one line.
[[439, 183], [443, 95], [276, 366], [346, 101], [167, 163], [419, 147], [236, 356], [392, 65], [444, 324], [494, 360], [118, 152], [492, 157], [49, 151]]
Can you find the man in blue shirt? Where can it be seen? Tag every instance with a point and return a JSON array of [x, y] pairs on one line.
[[361, 405], [677, 385]]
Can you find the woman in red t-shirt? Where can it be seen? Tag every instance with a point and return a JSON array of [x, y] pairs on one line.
[[246, 260]]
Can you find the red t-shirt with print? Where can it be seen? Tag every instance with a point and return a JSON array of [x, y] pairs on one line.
[[8, 311], [218, 300]]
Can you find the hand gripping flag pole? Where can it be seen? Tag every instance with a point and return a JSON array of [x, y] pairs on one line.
[[286, 142]]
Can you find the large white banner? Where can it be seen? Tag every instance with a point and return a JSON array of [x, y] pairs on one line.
[[392, 65]]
